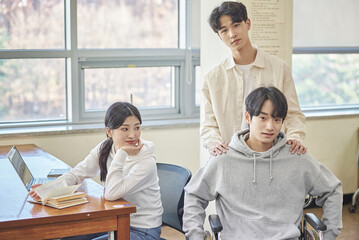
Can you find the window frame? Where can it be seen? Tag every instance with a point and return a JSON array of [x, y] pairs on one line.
[[339, 48], [330, 110], [77, 60], [139, 61]]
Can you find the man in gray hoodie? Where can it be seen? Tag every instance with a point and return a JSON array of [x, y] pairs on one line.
[[259, 186]]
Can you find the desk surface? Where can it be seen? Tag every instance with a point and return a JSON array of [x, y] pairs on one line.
[[16, 213]]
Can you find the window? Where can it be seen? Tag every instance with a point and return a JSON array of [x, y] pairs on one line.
[[127, 24], [32, 90], [65, 62], [326, 54], [32, 24], [146, 87]]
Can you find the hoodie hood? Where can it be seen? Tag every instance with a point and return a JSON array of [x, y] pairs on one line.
[[238, 144]]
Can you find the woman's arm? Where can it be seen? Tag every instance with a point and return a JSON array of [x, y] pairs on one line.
[[88, 168], [141, 174]]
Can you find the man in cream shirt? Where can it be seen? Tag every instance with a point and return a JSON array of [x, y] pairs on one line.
[[226, 86]]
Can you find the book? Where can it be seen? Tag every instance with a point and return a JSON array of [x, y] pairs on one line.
[[58, 194]]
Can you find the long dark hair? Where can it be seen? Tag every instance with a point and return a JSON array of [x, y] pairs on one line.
[[115, 116]]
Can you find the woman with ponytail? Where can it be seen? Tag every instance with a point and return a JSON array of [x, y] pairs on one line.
[[127, 168]]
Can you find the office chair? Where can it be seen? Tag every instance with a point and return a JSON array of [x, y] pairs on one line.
[[352, 208], [172, 180], [307, 234]]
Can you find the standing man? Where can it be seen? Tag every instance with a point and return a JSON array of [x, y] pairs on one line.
[[226, 86]]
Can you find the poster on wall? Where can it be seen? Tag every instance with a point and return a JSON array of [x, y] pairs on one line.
[[268, 26]]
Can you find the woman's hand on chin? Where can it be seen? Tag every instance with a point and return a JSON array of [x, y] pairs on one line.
[[133, 150]]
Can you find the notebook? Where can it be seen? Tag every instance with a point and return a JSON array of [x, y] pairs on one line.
[[23, 171]]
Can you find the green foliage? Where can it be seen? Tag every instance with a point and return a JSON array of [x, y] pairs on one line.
[[326, 79]]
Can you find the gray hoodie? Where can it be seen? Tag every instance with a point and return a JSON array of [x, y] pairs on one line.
[[260, 195]]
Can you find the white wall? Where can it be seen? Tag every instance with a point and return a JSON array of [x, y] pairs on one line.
[[334, 142]]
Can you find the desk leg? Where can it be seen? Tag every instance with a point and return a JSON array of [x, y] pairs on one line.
[[123, 227]]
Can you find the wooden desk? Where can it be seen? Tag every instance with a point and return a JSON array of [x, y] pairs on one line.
[[20, 219]]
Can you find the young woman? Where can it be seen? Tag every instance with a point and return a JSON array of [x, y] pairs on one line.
[[127, 168]]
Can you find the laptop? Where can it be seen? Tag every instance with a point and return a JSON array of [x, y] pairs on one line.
[[23, 171]]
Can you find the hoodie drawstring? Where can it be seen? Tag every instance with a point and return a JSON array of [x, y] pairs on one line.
[[254, 168], [270, 167]]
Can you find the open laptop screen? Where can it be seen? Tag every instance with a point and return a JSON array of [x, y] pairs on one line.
[[20, 167]]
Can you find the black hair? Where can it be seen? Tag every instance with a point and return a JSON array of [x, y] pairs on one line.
[[258, 96], [236, 10], [115, 116]]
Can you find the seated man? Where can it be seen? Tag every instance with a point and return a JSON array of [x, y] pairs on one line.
[[259, 186]]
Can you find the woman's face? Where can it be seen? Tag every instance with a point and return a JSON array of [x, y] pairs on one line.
[[128, 134]]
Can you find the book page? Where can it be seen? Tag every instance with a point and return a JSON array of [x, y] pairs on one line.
[[55, 188], [63, 191], [44, 189], [69, 196]]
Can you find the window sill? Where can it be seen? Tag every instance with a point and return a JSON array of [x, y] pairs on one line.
[[45, 130], [66, 128], [315, 113]]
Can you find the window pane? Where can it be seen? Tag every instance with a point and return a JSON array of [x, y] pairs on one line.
[[32, 90], [325, 23], [127, 24], [198, 85], [149, 87], [326, 79], [32, 24]]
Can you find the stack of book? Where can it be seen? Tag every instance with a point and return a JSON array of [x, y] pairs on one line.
[[58, 195], [67, 200]]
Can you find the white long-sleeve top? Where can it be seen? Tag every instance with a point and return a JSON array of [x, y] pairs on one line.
[[223, 98], [133, 178]]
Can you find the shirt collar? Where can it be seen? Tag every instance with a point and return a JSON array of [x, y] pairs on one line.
[[258, 61]]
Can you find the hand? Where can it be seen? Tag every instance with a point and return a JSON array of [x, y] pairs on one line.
[[133, 150], [33, 194], [219, 149], [296, 147]]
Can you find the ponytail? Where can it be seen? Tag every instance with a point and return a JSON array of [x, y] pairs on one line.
[[103, 155]]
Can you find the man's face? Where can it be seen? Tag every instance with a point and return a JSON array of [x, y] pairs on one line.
[[234, 34], [264, 128]]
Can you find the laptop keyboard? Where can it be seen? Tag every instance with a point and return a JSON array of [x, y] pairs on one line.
[[43, 180]]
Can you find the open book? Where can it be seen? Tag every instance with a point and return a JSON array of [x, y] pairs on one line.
[[58, 195]]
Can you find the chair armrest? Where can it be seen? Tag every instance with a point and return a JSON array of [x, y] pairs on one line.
[[215, 223], [315, 222]]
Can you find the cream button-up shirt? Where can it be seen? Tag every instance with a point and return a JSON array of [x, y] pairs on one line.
[[223, 98]]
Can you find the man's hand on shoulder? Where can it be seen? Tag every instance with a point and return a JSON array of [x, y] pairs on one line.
[[296, 146], [219, 149]]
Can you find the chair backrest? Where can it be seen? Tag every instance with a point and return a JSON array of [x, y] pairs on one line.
[[172, 180]]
